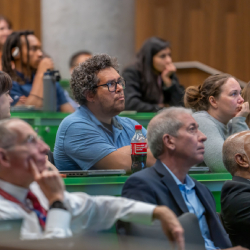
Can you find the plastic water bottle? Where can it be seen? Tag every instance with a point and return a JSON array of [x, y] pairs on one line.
[[49, 90], [138, 150]]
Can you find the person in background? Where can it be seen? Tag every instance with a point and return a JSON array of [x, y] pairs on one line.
[[75, 60], [29, 191], [220, 112], [151, 82], [177, 144], [246, 96], [5, 98], [5, 31], [24, 61], [94, 136], [235, 193]]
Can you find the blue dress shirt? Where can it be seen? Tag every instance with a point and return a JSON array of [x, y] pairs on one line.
[[19, 90], [194, 206], [82, 140]]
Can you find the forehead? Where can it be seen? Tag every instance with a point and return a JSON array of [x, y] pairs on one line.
[[107, 74], [33, 40], [230, 85], [3, 24], [164, 51], [22, 129], [186, 119]]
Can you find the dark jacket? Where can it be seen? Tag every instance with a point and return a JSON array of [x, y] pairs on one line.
[[155, 185], [235, 210], [136, 98]]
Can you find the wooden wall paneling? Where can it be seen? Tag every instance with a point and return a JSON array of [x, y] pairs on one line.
[[214, 32], [24, 14]]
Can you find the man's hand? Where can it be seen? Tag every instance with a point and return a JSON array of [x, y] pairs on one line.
[[165, 75], [45, 64], [170, 225], [50, 183], [244, 110]]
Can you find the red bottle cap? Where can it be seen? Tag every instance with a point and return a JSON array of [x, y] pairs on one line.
[[138, 126]]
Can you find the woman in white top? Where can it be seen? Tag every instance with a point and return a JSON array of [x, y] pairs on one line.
[[220, 112]]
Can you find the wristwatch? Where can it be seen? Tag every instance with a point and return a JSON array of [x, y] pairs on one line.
[[58, 204]]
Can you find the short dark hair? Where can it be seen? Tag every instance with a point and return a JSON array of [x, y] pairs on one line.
[[6, 20], [5, 82], [14, 40], [73, 58], [84, 77]]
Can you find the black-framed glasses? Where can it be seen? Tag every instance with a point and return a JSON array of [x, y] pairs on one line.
[[112, 85]]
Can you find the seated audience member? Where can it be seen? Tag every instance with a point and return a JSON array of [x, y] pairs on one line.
[[49, 211], [151, 82], [5, 99], [23, 60], [5, 31], [246, 96], [235, 194], [94, 136], [75, 60], [220, 112], [177, 144]]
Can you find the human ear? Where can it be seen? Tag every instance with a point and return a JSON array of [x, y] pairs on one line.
[[242, 160], [4, 159], [169, 141], [90, 96], [213, 102], [15, 53]]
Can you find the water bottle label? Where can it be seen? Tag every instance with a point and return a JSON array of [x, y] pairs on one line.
[[139, 148]]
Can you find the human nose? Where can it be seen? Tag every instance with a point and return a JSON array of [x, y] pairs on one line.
[[241, 100], [119, 87], [10, 99], [168, 59], [44, 148], [202, 137]]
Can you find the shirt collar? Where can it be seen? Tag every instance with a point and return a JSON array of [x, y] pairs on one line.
[[115, 121], [17, 192], [189, 183]]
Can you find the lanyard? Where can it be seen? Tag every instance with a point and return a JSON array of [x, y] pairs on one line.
[[9, 197]]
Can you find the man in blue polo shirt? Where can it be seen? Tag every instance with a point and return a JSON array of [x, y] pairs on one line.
[[94, 136], [23, 60]]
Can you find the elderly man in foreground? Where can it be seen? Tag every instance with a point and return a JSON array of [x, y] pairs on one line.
[[177, 144], [235, 194], [48, 211]]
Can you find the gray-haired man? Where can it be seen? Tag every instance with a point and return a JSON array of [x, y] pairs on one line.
[[177, 144]]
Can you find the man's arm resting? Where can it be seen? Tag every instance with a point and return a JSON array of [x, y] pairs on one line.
[[121, 159], [66, 108], [170, 225]]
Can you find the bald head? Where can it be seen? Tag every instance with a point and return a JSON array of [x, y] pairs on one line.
[[235, 146]]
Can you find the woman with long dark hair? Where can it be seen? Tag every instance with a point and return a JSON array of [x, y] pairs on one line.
[[151, 82]]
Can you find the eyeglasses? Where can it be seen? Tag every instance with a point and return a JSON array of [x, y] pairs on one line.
[[112, 85], [30, 139]]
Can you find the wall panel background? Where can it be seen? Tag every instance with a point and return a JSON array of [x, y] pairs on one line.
[[214, 32], [24, 14]]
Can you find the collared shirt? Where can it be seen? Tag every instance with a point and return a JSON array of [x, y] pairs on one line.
[[19, 90], [88, 213], [82, 140], [194, 206]]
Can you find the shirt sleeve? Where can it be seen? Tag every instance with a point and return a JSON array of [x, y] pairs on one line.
[[95, 213], [61, 98], [237, 124], [85, 145], [213, 144], [15, 93]]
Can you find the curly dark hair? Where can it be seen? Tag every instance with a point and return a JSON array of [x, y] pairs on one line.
[[84, 77]]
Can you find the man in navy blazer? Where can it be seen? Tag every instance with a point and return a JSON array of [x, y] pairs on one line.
[[177, 144]]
